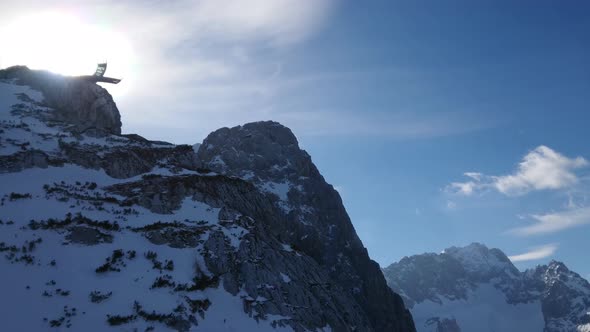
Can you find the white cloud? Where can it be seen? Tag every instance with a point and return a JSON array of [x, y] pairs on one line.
[[201, 65], [474, 175], [279, 21], [464, 188], [535, 253], [192, 58], [541, 169], [204, 64], [554, 222]]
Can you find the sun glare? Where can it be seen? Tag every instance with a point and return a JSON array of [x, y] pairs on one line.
[[63, 44]]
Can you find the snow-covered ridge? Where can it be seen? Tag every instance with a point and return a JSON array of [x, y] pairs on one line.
[[474, 288], [108, 231], [477, 258]]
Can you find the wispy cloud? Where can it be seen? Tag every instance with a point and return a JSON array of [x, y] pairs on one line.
[[554, 222], [468, 188], [201, 65], [394, 125], [540, 169], [206, 57], [535, 253]]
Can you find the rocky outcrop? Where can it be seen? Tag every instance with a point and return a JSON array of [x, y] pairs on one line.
[[130, 158], [78, 112], [85, 106]]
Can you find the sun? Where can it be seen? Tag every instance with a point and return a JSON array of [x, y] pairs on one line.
[[61, 43]]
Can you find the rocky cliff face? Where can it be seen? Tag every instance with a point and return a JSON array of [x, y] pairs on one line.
[[267, 155], [476, 288], [107, 230]]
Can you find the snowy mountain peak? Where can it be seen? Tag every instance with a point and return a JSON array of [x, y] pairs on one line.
[[465, 286], [102, 230], [266, 148], [477, 258], [267, 155], [557, 267]]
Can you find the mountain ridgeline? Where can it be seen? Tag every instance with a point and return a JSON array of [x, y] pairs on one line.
[[474, 288], [103, 230]]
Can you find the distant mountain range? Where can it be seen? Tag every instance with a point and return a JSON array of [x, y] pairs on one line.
[[476, 289]]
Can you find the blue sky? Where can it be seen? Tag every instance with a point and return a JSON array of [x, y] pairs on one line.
[[394, 100], [502, 80]]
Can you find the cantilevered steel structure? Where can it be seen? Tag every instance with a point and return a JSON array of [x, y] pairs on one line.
[[98, 76]]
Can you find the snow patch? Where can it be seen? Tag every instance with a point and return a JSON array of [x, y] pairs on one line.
[[287, 247], [285, 278], [280, 189], [485, 310]]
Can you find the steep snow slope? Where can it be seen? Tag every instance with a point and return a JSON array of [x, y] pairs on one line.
[[478, 289], [101, 230], [485, 309]]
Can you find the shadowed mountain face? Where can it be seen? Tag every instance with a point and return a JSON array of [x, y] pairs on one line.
[[476, 288], [267, 155], [108, 230]]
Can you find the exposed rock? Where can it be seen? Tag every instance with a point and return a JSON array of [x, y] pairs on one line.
[[267, 154], [175, 235], [87, 235], [85, 105], [129, 159], [26, 159]]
